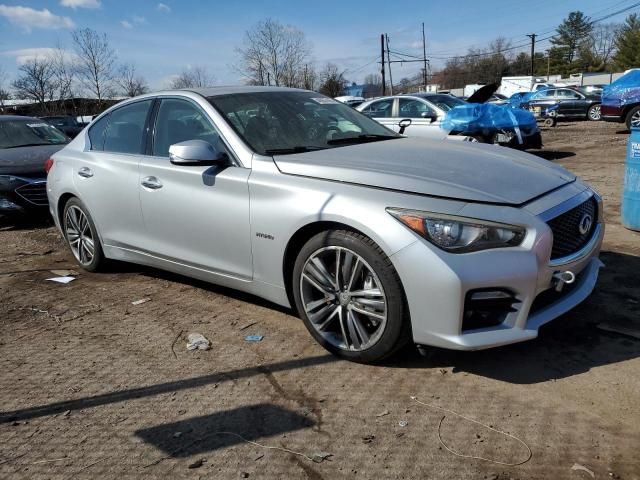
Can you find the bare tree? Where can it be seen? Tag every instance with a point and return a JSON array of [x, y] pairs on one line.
[[196, 77], [96, 62], [274, 54], [4, 94], [64, 73], [309, 78], [130, 82], [332, 80], [37, 82]]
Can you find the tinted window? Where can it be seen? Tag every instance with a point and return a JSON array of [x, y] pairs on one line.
[[96, 133], [381, 109], [28, 132], [178, 121], [410, 108], [564, 93], [126, 127]]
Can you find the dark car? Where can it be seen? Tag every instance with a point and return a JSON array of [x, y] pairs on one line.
[[26, 143], [66, 124], [621, 100], [566, 102]]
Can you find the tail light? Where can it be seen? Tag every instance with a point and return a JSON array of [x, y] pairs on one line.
[[48, 164]]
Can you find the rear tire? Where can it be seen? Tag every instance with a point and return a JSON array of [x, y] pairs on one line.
[[357, 310], [633, 118], [82, 236], [594, 113]]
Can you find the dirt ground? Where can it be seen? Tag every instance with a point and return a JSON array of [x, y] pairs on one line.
[[92, 386]]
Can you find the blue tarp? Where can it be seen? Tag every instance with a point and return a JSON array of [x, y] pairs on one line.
[[624, 90], [475, 118]]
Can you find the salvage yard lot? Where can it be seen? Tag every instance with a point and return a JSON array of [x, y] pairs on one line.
[[93, 386]]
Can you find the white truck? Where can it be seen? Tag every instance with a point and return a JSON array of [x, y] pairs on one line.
[[511, 85]]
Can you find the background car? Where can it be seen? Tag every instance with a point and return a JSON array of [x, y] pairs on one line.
[[26, 143], [428, 111], [567, 103], [621, 100], [66, 124]]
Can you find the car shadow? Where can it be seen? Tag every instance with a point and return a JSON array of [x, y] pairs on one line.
[[569, 345], [25, 222], [552, 154], [208, 433]]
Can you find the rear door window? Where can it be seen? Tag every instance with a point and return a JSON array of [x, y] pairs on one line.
[[96, 133], [125, 133], [379, 109]]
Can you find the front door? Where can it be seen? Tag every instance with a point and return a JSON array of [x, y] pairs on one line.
[[425, 121], [194, 215]]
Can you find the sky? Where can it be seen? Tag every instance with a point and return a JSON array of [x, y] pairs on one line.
[[163, 38]]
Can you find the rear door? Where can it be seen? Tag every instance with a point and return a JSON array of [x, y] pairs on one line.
[[382, 112], [194, 215], [425, 121], [106, 175]]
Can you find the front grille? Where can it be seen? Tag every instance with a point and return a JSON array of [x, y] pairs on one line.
[[567, 238], [35, 193]]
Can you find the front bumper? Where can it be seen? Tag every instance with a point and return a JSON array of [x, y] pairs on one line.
[[21, 195], [437, 288]]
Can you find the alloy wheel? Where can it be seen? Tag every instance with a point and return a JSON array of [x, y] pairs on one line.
[[343, 298], [79, 235], [595, 112], [635, 119]]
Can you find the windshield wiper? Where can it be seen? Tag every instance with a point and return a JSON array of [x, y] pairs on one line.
[[290, 150], [369, 137], [31, 145]]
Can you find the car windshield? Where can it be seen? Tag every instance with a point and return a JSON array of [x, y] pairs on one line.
[[280, 123], [445, 102], [29, 132]]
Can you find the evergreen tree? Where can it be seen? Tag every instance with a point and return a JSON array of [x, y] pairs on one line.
[[628, 44], [570, 35]]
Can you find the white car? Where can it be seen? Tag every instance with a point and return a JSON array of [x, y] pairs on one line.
[[427, 112]]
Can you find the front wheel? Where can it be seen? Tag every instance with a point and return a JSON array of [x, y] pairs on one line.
[[594, 113], [350, 297], [82, 236], [633, 118]]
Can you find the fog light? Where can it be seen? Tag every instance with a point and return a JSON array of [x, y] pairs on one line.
[[487, 308], [6, 204]]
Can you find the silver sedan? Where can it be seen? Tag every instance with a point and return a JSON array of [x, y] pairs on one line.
[[376, 240]]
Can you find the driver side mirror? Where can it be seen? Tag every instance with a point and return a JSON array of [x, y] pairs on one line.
[[196, 152], [429, 116]]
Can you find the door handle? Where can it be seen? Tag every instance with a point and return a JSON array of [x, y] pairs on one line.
[[151, 182], [85, 172]]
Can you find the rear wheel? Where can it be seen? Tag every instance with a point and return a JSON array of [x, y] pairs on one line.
[[349, 296], [633, 118], [594, 112], [82, 236]]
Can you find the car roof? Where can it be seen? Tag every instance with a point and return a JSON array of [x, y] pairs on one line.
[[228, 90]]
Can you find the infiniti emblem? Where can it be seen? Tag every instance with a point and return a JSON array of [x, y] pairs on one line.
[[585, 224]]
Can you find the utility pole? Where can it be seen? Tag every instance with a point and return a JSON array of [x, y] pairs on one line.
[[424, 58], [389, 62], [533, 36], [384, 85]]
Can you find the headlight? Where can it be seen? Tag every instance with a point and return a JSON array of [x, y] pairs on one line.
[[459, 234]]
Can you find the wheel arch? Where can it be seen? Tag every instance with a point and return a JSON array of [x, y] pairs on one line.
[[62, 201], [302, 236]]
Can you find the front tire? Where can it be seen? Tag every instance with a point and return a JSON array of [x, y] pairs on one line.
[[350, 297], [594, 113], [633, 118], [82, 236]]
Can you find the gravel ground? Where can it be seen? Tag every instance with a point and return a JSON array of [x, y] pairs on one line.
[[95, 387]]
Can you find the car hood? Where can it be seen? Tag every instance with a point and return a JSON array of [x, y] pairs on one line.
[[26, 160], [483, 94], [458, 170]]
